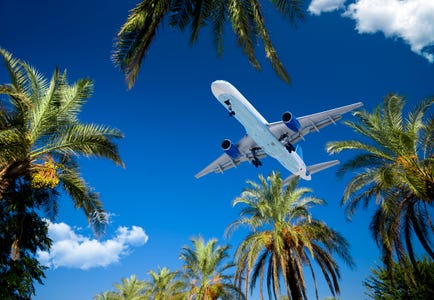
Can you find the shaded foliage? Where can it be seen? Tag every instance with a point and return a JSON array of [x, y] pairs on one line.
[[408, 282], [246, 17], [19, 216], [395, 168]]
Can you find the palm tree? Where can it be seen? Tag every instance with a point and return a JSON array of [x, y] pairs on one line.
[[419, 285], [41, 136], [164, 285], [129, 289], [204, 271], [246, 17], [107, 296], [284, 238], [395, 164]]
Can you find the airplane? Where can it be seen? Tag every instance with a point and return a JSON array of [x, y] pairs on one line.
[[274, 139]]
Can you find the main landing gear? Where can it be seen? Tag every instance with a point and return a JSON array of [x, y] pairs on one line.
[[284, 139], [256, 162]]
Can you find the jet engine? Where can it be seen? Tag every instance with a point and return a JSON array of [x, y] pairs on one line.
[[230, 149], [291, 121]]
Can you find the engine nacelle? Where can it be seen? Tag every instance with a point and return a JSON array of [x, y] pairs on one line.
[[291, 121], [230, 149]]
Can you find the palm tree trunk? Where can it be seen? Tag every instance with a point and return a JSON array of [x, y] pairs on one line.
[[292, 281], [9, 173]]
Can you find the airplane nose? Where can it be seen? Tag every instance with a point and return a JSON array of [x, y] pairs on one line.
[[219, 87]]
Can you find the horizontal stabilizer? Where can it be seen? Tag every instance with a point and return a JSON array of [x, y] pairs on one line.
[[314, 169]]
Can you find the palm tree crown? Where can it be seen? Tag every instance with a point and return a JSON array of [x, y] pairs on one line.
[[204, 271], [41, 136], [246, 17], [395, 161], [164, 285], [129, 289], [284, 237]]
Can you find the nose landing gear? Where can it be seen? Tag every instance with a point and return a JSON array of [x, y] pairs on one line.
[[229, 105], [289, 147]]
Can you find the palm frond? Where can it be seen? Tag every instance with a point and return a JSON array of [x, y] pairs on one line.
[[239, 16], [270, 51], [217, 19], [84, 139], [427, 138], [14, 68], [136, 35], [291, 9], [84, 198], [72, 98], [339, 146], [202, 11]]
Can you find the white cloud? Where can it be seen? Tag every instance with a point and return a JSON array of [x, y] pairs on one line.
[[410, 20], [317, 7], [74, 250]]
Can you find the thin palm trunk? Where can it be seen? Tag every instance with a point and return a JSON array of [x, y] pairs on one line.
[[292, 281]]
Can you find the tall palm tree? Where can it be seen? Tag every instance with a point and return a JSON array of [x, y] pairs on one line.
[[284, 238], [41, 136], [204, 271], [165, 286], [246, 17], [129, 289], [395, 165]]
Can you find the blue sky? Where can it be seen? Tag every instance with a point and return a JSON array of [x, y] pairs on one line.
[[343, 52]]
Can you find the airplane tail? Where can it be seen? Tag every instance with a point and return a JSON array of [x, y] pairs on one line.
[[312, 169]]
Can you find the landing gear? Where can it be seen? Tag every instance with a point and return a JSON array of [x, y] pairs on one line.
[[229, 105], [289, 147], [256, 162], [284, 139]]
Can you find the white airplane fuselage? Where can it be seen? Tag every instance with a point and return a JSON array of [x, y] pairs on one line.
[[257, 127]]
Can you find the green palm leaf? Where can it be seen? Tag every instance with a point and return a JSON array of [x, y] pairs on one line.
[[284, 237], [393, 166], [41, 136], [246, 18]]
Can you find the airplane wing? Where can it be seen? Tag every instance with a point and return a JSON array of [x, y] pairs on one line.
[[248, 151], [310, 123]]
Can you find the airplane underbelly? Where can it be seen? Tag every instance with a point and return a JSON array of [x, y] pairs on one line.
[[271, 146], [292, 162], [269, 143]]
